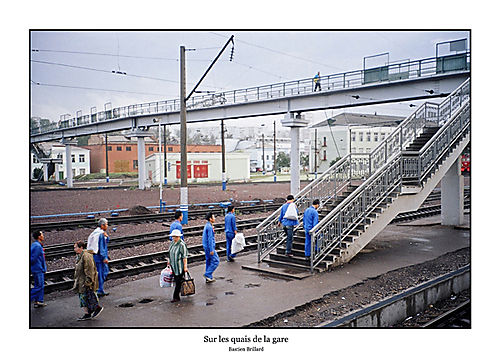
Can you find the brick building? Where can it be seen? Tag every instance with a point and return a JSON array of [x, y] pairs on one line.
[[122, 152]]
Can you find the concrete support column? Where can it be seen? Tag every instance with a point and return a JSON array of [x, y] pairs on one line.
[[295, 122], [69, 171], [45, 172], [295, 161], [141, 162], [452, 196]]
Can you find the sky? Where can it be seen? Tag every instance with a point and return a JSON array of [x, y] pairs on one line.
[[72, 70]]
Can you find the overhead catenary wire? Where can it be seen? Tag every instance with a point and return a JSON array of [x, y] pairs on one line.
[[93, 89]]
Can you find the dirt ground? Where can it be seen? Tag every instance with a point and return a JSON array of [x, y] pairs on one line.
[[75, 201]]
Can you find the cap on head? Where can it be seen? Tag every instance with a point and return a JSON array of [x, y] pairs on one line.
[[176, 232]]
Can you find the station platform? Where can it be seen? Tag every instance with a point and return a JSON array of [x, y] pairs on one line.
[[240, 297]]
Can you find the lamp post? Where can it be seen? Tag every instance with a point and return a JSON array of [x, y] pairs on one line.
[[274, 154], [223, 149]]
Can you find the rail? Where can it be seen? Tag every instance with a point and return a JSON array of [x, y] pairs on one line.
[[387, 178], [351, 79]]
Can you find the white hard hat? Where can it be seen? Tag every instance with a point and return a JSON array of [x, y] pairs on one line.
[[176, 233]]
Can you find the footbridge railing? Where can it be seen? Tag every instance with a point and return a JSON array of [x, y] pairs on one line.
[[351, 79], [387, 171]]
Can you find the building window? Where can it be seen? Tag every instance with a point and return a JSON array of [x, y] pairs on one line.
[[72, 158], [267, 157], [375, 137], [151, 149], [35, 160], [353, 136], [109, 148], [170, 149], [135, 164], [81, 158], [74, 172], [119, 148], [128, 149], [368, 150], [360, 136], [382, 136], [353, 150], [59, 156], [368, 136], [324, 141], [82, 171], [324, 155]]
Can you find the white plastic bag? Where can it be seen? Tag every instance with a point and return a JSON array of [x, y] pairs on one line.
[[238, 243], [167, 277], [291, 212]]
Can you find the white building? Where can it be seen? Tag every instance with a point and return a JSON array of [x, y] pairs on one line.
[[202, 167], [80, 160], [347, 132]]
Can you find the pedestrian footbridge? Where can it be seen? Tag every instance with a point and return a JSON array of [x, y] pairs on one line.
[[362, 193]]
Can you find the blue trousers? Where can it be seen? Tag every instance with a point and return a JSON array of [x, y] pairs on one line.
[[102, 273], [289, 238], [212, 262], [229, 241], [307, 250], [37, 290]]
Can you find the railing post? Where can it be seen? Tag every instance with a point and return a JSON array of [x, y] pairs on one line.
[[258, 93], [344, 81]]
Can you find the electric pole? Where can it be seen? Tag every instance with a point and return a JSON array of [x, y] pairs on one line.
[[274, 164], [184, 189], [223, 155]]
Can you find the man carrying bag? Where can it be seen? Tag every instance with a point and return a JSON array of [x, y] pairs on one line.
[[289, 218]]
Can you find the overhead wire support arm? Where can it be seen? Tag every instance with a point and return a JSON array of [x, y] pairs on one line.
[[209, 67]]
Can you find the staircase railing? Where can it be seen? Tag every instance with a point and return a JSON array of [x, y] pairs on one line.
[[325, 187], [453, 114]]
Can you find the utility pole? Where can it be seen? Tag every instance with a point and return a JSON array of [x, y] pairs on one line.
[[263, 156], [274, 154], [159, 162], [106, 146], [184, 189], [165, 171], [223, 155]]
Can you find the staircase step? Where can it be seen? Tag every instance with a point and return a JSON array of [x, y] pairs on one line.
[[292, 262]]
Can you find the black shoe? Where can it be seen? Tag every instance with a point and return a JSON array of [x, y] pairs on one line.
[[230, 259], [85, 317], [289, 254], [99, 294], [175, 300], [97, 311]]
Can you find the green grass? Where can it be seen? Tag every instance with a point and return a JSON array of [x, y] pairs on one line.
[[92, 176]]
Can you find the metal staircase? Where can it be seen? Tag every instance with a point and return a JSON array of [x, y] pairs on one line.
[[362, 193]]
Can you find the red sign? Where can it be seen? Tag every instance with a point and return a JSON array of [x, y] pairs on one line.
[[178, 169]]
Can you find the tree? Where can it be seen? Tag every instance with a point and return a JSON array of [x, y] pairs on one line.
[[282, 160], [334, 161]]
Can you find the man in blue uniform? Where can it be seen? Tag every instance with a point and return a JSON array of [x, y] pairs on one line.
[[289, 219], [38, 267], [211, 257], [176, 225], [230, 230], [98, 245], [310, 220]]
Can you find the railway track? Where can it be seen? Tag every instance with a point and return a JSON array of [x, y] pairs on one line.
[[457, 317], [169, 216], [60, 280], [61, 250]]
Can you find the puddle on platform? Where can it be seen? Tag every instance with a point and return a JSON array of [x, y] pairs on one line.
[[229, 293], [252, 285], [146, 300], [126, 305]]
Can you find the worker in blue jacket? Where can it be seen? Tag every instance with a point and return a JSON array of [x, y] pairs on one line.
[[176, 225], [38, 267], [101, 255], [289, 219], [230, 230], [310, 220], [211, 257]]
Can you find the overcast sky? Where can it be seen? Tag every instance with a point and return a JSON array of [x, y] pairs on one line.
[[150, 59]]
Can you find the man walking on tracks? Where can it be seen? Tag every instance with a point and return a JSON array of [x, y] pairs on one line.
[[97, 244], [230, 230], [310, 220], [211, 257], [176, 225], [289, 217], [38, 267]]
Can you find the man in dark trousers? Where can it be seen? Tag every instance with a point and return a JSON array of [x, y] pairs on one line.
[[211, 257], [230, 230], [289, 219], [311, 219], [38, 267]]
